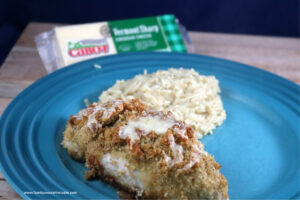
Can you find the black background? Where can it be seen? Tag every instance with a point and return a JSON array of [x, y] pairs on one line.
[[259, 17]]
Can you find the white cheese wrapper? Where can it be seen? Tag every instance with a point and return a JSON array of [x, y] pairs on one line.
[[66, 45], [56, 47]]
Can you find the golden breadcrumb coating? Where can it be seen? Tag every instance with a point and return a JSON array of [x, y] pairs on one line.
[[87, 125], [145, 152]]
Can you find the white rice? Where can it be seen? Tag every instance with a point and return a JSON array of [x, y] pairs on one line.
[[191, 97]]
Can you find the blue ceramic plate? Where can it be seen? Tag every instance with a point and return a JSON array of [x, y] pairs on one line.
[[257, 145]]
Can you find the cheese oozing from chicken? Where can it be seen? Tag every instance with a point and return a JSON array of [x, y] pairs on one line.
[[143, 126]]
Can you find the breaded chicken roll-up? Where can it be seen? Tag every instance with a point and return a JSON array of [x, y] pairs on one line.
[[147, 153]]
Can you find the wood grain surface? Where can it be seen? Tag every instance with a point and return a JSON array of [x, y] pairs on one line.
[[6, 192], [278, 55]]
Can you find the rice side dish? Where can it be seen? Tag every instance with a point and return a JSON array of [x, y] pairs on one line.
[[191, 97]]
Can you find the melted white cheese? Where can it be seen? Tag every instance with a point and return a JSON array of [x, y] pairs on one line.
[[197, 153], [181, 132], [119, 169], [177, 152], [92, 123], [145, 125]]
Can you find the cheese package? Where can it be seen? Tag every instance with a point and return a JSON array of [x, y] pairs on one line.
[[65, 45]]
